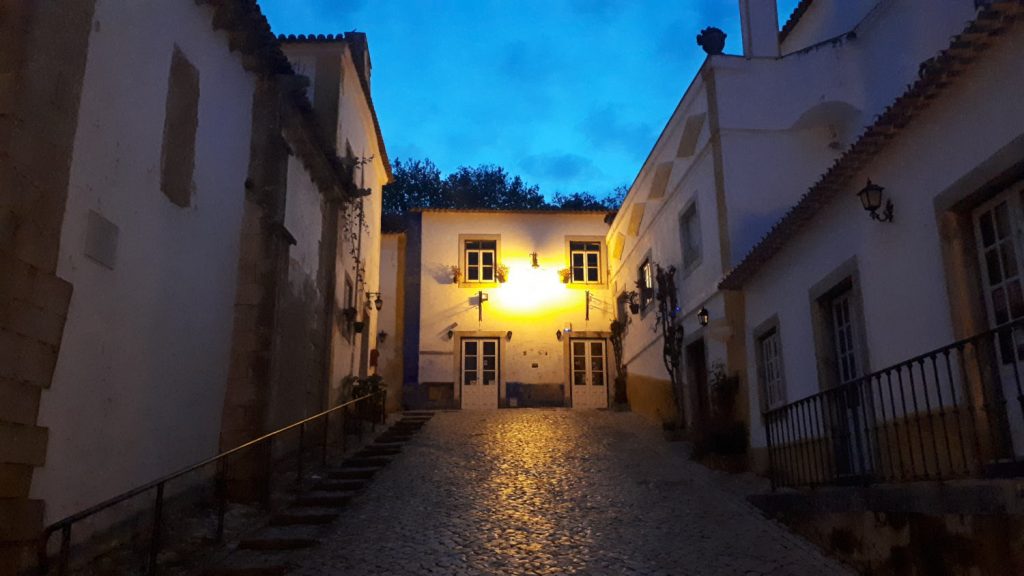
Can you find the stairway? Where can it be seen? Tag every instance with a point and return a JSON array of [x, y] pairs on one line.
[[307, 518]]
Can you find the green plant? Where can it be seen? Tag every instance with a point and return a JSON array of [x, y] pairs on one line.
[[366, 386], [501, 273], [565, 274], [455, 272]]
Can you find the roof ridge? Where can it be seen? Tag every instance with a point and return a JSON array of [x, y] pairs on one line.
[[794, 19], [934, 75]]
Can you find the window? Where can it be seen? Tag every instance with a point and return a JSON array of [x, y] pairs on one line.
[[998, 227], [181, 121], [769, 356], [645, 283], [689, 232], [585, 260], [844, 338], [479, 258]]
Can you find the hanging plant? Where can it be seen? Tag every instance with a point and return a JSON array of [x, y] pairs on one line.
[[565, 274], [358, 326], [455, 272], [349, 314], [501, 273]]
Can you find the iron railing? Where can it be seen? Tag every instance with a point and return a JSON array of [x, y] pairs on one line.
[[221, 461], [954, 412]]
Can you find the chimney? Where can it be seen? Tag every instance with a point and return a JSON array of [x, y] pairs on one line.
[[759, 20]]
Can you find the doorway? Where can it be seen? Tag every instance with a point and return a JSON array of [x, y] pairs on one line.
[[589, 373], [697, 376], [480, 373]]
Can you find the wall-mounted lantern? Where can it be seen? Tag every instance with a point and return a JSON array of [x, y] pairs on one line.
[[451, 334], [703, 317], [533, 260], [558, 335], [381, 336], [375, 299], [508, 335], [871, 199]]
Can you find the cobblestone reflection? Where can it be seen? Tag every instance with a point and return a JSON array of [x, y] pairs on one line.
[[554, 492]]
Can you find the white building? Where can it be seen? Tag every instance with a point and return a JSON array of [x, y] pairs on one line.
[[175, 262], [833, 296], [504, 309], [749, 136]]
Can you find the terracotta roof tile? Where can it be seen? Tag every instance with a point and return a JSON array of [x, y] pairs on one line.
[[794, 19]]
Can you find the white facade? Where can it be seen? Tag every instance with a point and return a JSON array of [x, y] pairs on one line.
[[148, 333], [911, 299], [749, 137], [518, 348]]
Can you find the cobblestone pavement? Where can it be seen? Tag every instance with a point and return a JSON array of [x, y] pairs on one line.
[[555, 492]]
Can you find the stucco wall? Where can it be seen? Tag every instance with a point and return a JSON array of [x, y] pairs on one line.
[[297, 387], [390, 320], [148, 340], [534, 304], [900, 265]]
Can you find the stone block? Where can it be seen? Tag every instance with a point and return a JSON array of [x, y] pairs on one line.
[[33, 322], [19, 403], [21, 444], [15, 480], [24, 360], [20, 519]]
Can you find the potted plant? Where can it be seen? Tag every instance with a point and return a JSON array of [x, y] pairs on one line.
[[501, 273], [349, 313], [712, 40], [455, 272], [565, 274]]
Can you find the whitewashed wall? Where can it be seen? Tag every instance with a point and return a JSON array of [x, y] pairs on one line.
[[148, 340], [902, 279], [533, 304]]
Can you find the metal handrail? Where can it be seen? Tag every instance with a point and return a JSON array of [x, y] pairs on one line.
[[1004, 329], [64, 525], [912, 420]]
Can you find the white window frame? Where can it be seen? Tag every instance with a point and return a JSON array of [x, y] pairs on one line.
[[771, 376], [645, 276], [480, 266], [590, 247]]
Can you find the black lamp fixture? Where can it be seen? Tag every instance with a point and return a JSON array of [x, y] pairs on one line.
[[871, 198], [508, 335], [558, 335], [375, 299], [533, 260], [703, 317]]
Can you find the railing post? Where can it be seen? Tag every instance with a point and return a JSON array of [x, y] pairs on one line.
[[268, 484], [323, 446], [65, 550], [771, 450], [154, 546], [222, 497], [298, 459], [384, 407]]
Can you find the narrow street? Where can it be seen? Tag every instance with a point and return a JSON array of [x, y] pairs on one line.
[[555, 492]]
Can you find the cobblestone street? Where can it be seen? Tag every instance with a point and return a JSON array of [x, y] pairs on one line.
[[554, 492]]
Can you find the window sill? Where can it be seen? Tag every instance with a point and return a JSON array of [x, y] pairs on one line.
[[480, 285]]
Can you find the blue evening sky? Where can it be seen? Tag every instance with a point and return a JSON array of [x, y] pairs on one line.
[[568, 94]]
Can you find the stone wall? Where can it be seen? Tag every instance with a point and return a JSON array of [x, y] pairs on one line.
[[38, 115]]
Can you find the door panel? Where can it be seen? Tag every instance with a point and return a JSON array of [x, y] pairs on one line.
[[999, 233], [480, 373], [589, 373]]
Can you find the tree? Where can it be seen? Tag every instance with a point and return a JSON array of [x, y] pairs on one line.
[[587, 201], [419, 184], [416, 184]]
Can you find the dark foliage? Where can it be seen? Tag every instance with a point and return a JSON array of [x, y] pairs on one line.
[[419, 184]]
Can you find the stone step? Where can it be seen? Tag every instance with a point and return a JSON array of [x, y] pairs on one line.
[[392, 437], [366, 462], [303, 518], [352, 473], [339, 485], [272, 570], [252, 563], [325, 498], [372, 451], [276, 543], [427, 413]]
